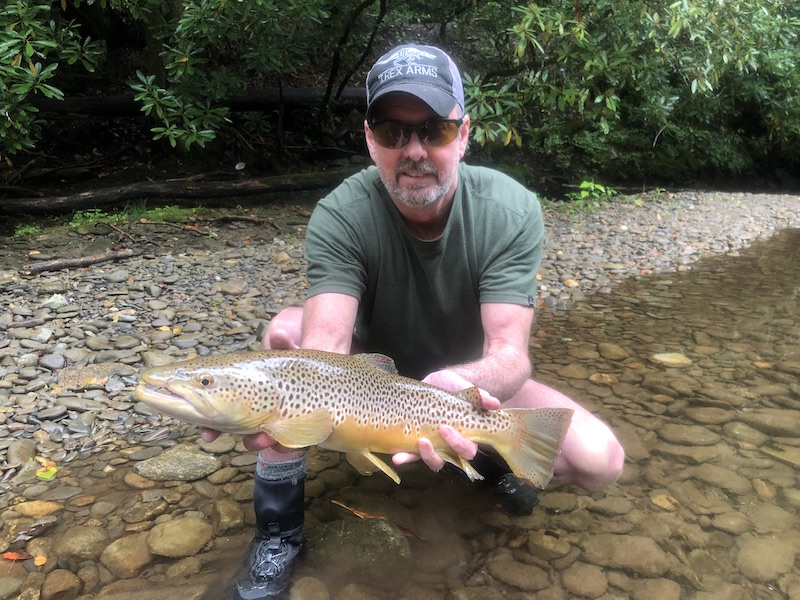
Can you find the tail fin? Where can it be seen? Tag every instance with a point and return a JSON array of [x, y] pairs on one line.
[[533, 451]]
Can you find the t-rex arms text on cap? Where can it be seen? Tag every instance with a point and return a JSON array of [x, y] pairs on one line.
[[426, 72]]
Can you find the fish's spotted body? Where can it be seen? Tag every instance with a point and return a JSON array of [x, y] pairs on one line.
[[356, 404]]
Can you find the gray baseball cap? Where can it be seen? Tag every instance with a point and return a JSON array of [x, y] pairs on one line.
[[426, 72]]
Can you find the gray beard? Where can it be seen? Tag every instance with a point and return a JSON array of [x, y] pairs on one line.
[[418, 196]]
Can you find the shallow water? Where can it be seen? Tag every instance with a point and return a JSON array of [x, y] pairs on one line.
[[707, 507], [711, 474]]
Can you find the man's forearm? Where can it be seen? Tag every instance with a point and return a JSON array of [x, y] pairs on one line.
[[501, 373]]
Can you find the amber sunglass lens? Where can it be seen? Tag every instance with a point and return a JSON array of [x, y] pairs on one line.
[[393, 134], [389, 134], [439, 133]]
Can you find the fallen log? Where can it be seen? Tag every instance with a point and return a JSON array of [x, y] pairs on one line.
[[174, 190], [124, 105], [81, 261]]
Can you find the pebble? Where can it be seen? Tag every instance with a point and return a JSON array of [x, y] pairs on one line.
[[641, 318]]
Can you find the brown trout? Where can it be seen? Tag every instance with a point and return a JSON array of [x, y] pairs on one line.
[[356, 404]]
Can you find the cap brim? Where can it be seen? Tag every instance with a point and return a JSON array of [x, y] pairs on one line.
[[440, 101]]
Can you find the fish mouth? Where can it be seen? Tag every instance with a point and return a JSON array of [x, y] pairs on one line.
[[160, 396]]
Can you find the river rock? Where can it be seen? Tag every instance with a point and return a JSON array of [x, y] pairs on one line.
[[773, 421], [764, 559], [37, 509], [366, 546], [587, 581], [127, 556], [184, 536], [82, 542], [671, 359], [226, 515], [634, 553], [309, 588], [61, 585], [524, 577], [611, 351], [185, 462]]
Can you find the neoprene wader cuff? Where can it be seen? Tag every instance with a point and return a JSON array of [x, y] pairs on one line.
[[279, 506]]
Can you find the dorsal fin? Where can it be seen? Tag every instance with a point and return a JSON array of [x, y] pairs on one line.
[[379, 361], [473, 396]]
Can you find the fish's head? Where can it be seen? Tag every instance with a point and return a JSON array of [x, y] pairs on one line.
[[235, 398]]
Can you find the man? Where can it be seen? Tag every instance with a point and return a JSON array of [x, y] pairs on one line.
[[433, 263]]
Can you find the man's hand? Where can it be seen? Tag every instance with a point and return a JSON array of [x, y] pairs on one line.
[[253, 441], [452, 382]]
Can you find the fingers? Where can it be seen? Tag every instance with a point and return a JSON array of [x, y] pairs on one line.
[[402, 458], [279, 339], [209, 435], [453, 382], [488, 401], [258, 441], [462, 446], [429, 456]]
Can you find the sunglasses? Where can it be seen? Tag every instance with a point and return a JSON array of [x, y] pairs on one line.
[[436, 132]]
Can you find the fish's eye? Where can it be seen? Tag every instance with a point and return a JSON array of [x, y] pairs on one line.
[[205, 380]]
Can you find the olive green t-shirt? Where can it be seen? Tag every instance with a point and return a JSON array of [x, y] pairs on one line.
[[420, 300]]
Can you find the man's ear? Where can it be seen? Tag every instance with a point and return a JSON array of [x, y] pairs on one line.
[[370, 141], [463, 136]]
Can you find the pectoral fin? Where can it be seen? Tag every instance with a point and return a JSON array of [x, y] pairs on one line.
[[367, 463], [302, 431]]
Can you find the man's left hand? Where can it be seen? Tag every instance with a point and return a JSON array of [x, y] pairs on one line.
[[452, 382]]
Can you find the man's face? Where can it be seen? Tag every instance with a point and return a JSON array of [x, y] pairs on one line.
[[416, 175]]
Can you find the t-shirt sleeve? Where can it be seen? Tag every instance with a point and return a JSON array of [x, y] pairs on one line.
[[510, 272], [335, 255]]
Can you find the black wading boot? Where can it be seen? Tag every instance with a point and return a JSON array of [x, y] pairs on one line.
[[277, 541], [512, 494]]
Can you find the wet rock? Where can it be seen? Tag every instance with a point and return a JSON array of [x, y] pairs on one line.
[[763, 559], [656, 589], [611, 351], [547, 547], [586, 581], [81, 542], [773, 421], [309, 588], [38, 509], [186, 567], [524, 577], [672, 359], [61, 585], [722, 478], [9, 587], [688, 435], [634, 553], [374, 547], [226, 515], [127, 556], [185, 462], [179, 537]]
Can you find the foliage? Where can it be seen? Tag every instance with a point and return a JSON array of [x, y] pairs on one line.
[[690, 83], [36, 41], [25, 230], [666, 87]]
